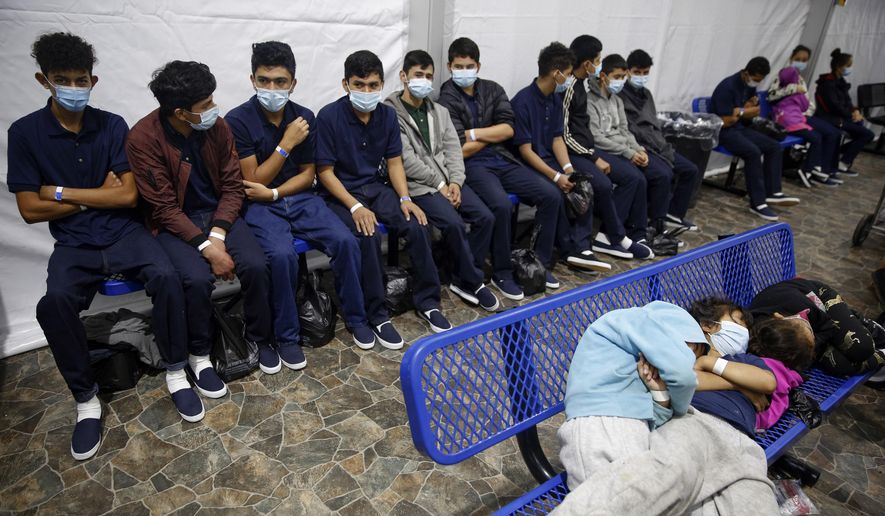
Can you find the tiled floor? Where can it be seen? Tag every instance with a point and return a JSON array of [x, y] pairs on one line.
[[334, 438]]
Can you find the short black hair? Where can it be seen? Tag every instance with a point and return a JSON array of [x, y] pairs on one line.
[[780, 339], [838, 59], [418, 58], [181, 84], [554, 56], [362, 63], [711, 310], [800, 48], [585, 48], [63, 51], [463, 47], [273, 53], [639, 59], [758, 66], [613, 62]]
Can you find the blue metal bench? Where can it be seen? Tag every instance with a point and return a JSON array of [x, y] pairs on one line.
[[702, 105], [479, 384]]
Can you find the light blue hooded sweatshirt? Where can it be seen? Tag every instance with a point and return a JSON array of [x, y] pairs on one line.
[[602, 378]]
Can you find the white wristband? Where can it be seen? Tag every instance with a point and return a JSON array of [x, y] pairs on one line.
[[215, 234], [556, 177], [83, 208], [441, 185], [355, 207], [204, 245], [473, 135], [660, 396], [719, 366], [276, 193], [567, 166]]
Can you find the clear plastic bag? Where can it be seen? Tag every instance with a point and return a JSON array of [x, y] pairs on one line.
[[791, 500], [704, 127]]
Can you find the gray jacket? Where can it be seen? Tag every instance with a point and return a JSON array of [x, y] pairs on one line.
[[608, 123], [443, 163], [642, 118]]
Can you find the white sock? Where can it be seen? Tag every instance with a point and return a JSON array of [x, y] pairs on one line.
[[843, 165], [176, 380], [626, 243], [198, 363], [89, 410]]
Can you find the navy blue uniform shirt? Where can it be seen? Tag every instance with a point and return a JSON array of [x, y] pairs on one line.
[[539, 120], [355, 149], [731, 406], [731, 93], [200, 196], [256, 136], [42, 152]]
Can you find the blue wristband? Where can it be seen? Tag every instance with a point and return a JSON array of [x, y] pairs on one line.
[[58, 191], [282, 152], [404, 199]]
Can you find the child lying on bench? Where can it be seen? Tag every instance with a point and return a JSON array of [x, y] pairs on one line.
[[632, 371]]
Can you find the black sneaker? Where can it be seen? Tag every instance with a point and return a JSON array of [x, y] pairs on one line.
[[765, 212], [463, 294], [188, 404], [804, 178], [641, 250], [845, 170], [292, 356], [86, 438], [363, 337], [835, 178], [487, 299], [587, 260], [674, 222], [268, 360], [819, 174], [602, 245], [438, 322], [779, 199], [388, 336], [208, 383], [550, 281], [827, 181], [508, 288]]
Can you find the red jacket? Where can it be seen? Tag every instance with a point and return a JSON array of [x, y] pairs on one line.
[[161, 176]]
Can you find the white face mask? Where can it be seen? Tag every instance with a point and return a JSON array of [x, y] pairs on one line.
[[731, 339], [753, 84]]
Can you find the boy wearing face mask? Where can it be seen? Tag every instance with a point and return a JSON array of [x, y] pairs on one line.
[[276, 142], [355, 138], [735, 101], [663, 160], [187, 171], [608, 122], [68, 167], [435, 173], [618, 186], [537, 136]]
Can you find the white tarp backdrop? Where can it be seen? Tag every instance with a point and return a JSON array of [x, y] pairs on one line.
[[695, 43]]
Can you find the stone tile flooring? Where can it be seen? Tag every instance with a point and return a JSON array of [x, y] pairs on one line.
[[335, 439]]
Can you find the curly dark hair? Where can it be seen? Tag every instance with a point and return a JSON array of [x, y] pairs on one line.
[[362, 63], [780, 339], [711, 310], [63, 51], [273, 53], [554, 56], [181, 84]]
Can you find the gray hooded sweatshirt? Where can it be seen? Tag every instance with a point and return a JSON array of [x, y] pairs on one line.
[[608, 123], [428, 169]]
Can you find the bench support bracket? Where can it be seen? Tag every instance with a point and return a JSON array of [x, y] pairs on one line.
[[533, 455]]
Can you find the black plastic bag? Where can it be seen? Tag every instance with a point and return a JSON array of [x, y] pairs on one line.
[[316, 312], [805, 408], [528, 270], [663, 242], [119, 371], [233, 355], [397, 290], [580, 198], [769, 128]]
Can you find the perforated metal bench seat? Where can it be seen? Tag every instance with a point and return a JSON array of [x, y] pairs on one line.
[[474, 386]]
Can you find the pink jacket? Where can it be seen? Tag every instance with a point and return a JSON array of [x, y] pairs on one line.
[[790, 110], [787, 379]]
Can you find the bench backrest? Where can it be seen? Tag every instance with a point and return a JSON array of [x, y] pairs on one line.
[[701, 104], [481, 383], [871, 95]]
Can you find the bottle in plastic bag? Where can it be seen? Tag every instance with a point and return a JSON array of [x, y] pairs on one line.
[[580, 198]]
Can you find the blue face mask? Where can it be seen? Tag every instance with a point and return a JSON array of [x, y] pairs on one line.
[[464, 78], [207, 119], [272, 100], [731, 339], [799, 65], [420, 87], [846, 72], [72, 99], [616, 85], [639, 80], [597, 69], [365, 102], [565, 85]]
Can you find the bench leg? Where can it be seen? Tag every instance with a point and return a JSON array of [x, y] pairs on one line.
[[514, 220], [728, 186], [791, 467], [533, 455]]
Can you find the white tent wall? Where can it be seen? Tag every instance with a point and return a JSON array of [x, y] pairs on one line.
[[134, 38], [694, 43]]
